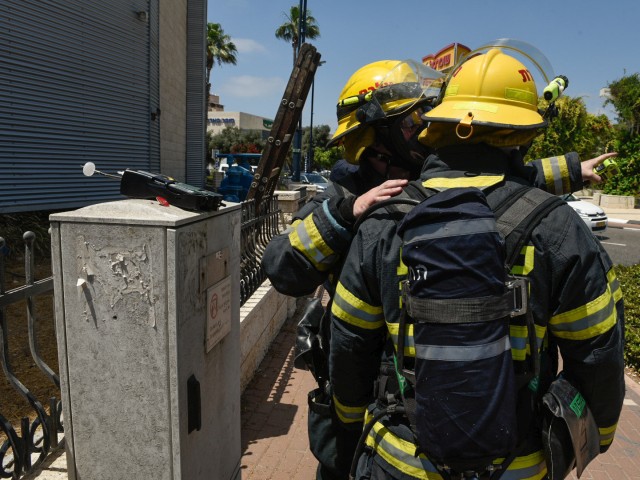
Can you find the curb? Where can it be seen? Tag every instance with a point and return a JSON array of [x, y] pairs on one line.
[[623, 223]]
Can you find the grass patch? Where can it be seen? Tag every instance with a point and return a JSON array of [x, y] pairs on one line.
[[629, 278]]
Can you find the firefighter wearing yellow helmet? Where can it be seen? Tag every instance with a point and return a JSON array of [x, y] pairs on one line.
[[377, 100], [379, 113], [489, 109]]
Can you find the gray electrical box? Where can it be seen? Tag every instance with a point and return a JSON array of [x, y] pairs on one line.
[[147, 304]]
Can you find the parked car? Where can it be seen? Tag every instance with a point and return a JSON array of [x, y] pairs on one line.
[[314, 178], [592, 215]]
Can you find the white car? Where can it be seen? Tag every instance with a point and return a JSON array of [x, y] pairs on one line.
[[313, 178], [592, 215]]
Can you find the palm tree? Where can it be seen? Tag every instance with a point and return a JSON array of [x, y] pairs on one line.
[[288, 31], [220, 49]]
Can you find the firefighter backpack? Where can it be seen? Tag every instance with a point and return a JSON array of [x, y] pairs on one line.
[[460, 299]]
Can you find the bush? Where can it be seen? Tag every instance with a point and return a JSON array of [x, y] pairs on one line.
[[629, 278]]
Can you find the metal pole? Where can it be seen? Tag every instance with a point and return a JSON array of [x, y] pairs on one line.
[[297, 139], [310, 154]]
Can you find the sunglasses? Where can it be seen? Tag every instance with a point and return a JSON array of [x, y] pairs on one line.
[[413, 119]]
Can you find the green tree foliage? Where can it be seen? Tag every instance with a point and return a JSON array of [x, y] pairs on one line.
[[220, 50], [234, 140], [323, 157], [289, 30], [625, 98], [574, 130], [627, 182]]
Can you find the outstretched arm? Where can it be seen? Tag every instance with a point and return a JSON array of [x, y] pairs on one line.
[[588, 175]]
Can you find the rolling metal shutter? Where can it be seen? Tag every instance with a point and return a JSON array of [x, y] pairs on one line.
[[76, 85], [196, 86]]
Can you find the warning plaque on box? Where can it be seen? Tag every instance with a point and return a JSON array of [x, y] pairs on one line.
[[218, 312]]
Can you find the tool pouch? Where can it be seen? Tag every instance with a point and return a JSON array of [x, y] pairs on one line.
[[309, 354], [570, 436], [331, 443]]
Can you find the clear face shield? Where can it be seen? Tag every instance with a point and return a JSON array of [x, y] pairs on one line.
[[536, 62], [404, 87], [396, 108]]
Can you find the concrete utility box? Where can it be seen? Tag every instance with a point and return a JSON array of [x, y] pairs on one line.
[[147, 313]]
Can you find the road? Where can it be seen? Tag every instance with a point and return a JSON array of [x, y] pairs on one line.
[[622, 245]]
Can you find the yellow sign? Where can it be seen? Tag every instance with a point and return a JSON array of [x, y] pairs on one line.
[[447, 57]]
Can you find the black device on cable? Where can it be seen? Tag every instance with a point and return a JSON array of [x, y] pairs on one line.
[[146, 185]]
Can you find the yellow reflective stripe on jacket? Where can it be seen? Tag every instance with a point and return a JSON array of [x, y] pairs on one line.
[[400, 454], [556, 174], [306, 238], [409, 345], [519, 336], [587, 321], [479, 182], [607, 434], [349, 414], [525, 266], [353, 311]]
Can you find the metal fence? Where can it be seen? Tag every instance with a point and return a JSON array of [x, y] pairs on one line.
[[23, 449], [257, 230]]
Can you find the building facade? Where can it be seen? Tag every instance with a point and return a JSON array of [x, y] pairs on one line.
[[219, 120], [119, 83]]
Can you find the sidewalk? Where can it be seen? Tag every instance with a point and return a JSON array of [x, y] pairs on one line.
[[274, 425], [622, 217]]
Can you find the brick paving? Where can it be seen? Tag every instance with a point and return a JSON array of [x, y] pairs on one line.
[[274, 424], [274, 416]]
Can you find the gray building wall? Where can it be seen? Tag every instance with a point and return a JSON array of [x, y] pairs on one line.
[[108, 82]]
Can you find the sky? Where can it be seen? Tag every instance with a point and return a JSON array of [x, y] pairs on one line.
[[591, 42]]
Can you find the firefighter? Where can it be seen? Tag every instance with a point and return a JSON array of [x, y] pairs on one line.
[[378, 132], [384, 146], [487, 112]]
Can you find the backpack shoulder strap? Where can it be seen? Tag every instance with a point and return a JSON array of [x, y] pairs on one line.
[[519, 214], [408, 198], [402, 203]]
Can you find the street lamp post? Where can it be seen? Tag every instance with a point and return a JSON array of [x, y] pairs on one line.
[[311, 152], [297, 139]]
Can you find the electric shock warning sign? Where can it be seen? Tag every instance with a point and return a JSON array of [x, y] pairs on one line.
[[218, 312]]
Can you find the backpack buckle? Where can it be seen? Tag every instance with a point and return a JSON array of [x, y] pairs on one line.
[[520, 288]]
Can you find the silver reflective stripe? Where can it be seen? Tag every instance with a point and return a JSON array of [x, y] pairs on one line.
[[463, 353], [307, 242], [557, 175], [451, 229]]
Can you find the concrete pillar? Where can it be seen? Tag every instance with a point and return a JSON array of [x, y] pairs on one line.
[[147, 315]]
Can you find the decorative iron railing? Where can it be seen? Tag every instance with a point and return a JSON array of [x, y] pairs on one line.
[[23, 451], [257, 229]]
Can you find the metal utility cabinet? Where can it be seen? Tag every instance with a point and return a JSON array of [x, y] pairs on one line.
[[147, 314]]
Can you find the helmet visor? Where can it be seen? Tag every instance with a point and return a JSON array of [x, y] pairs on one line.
[[530, 56], [523, 51], [407, 84]]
